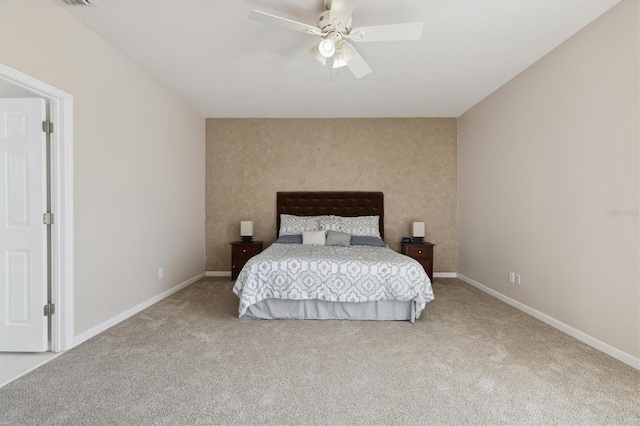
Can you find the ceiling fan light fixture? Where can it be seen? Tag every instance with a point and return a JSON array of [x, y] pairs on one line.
[[347, 51], [339, 62], [318, 56], [327, 48]]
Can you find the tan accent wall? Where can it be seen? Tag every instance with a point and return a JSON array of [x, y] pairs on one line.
[[549, 183], [412, 161], [138, 161]]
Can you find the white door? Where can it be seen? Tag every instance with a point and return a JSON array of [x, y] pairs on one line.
[[23, 236]]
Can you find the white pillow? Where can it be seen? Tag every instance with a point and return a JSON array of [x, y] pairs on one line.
[[362, 226], [296, 225], [313, 237]]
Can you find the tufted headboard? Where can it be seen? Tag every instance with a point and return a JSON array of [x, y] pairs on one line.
[[344, 203]]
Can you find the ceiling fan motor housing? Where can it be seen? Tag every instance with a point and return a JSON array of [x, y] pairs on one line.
[[326, 26]]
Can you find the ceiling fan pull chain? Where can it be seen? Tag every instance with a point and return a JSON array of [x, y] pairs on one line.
[[331, 74], [331, 70]]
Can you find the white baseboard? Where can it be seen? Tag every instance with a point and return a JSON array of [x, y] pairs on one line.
[[583, 337], [30, 369], [130, 312], [445, 275], [218, 273]]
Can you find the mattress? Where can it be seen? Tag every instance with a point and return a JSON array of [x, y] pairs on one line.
[[353, 275]]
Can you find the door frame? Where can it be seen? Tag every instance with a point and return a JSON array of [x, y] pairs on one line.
[[62, 230]]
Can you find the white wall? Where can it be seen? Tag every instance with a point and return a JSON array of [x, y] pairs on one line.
[[541, 161], [138, 160]]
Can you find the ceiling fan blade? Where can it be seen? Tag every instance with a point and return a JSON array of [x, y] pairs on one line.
[[341, 10], [395, 32], [358, 66], [300, 58], [267, 18]]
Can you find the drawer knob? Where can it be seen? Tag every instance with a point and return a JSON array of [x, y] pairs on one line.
[[244, 250], [419, 251]]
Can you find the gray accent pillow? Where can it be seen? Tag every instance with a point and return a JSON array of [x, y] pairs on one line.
[[335, 238], [367, 241], [289, 239]]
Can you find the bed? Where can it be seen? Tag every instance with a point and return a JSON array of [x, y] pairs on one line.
[[358, 280]]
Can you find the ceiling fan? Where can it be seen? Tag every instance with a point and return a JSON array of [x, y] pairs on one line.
[[334, 26]]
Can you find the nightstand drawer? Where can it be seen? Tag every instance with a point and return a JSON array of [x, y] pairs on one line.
[[423, 253], [238, 262], [426, 264], [418, 252], [248, 250], [241, 253]]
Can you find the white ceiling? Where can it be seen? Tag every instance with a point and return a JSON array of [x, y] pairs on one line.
[[209, 53]]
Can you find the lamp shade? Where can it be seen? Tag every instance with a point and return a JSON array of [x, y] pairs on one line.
[[246, 228], [417, 230]]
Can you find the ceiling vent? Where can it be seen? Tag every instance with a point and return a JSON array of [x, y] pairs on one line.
[[77, 2]]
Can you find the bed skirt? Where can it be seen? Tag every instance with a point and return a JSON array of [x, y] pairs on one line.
[[383, 310]]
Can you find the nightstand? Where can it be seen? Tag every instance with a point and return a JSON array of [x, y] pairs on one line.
[[240, 253], [423, 253]]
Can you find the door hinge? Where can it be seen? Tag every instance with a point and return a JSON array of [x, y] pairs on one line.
[[49, 309], [47, 126], [47, 218]]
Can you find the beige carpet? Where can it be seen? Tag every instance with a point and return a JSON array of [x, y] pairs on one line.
[[470, 359]]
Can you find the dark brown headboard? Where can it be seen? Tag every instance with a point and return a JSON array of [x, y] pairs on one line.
[[330, 202]]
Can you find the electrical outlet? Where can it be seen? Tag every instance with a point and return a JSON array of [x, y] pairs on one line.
[[160, 273], [512, 277], [517, 281]]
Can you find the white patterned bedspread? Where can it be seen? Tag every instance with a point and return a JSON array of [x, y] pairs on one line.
[[332, 273]]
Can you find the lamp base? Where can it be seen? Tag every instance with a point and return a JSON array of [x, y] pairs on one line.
[[246, 239], [418, 240]]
